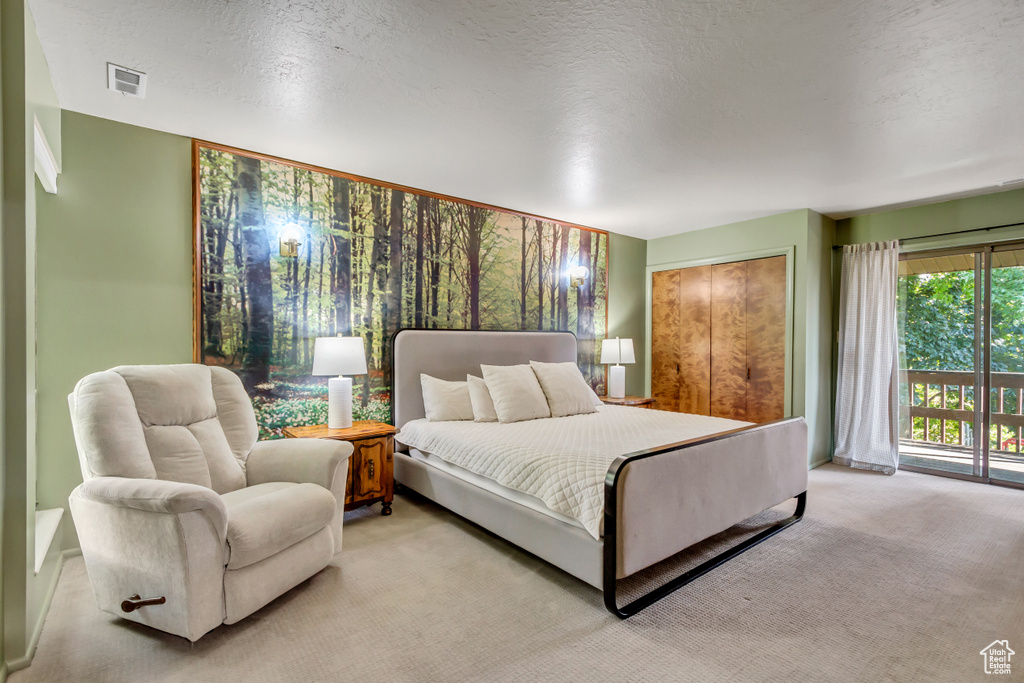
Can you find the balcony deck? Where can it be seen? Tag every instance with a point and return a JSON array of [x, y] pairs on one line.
[[941, 405], [1003, 465]]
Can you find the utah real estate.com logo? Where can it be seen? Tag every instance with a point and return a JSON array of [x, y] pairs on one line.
[[997, 657]]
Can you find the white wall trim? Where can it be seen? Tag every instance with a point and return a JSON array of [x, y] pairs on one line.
[[23, 662], [788, 251], [47, 525], [46, 162]]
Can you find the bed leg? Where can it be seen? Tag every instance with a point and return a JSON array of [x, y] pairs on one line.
[[675, 584]]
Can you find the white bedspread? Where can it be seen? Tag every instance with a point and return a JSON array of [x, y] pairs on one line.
[[562, 461]]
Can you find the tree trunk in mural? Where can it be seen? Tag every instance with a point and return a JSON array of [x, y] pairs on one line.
[[306, 360], [217, 219], [378, 267], [256, 248], [320, 283], [341, 249], [540, 275], [563, 280], [451, 276], [475, 226], [435, 263], [293, 275], [553, 276], [522, 275], [358, 278], [393, 303], [585, 307], [243, 299], [421, 217]]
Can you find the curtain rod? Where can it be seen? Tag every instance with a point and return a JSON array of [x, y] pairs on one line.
[[838, 247]]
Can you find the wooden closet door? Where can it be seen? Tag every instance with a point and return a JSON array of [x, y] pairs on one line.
[[729, 340], [681, 340], [665, 331], [695, 340], [766, 339]]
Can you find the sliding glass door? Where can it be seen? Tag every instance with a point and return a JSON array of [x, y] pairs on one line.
[[941, 307], [961, 314], [1006, 345]]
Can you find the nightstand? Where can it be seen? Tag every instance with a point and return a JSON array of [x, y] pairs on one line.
[[371, 469], [635, 401]]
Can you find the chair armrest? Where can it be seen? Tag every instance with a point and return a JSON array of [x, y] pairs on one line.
[[301, 461], [156, 495]]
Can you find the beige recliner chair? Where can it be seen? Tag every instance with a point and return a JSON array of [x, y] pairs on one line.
[[181, 502]]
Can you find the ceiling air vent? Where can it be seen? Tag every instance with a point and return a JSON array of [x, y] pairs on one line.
[[126, 81], [1011, 181]]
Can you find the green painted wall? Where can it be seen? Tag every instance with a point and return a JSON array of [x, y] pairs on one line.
[[984, 211], [114, 274], [5, 63], [627, 261], [811, 236], [17, 244], [28, 95]]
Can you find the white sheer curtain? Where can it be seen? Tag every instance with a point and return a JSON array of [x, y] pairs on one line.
[[867, 412]]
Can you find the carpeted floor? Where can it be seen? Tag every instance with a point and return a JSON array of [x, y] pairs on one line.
[[902, 578]]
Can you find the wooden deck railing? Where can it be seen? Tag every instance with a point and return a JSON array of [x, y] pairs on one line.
[[948, 396]]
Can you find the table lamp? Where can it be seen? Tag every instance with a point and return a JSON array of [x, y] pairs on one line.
[[337, 356], [617, 351]]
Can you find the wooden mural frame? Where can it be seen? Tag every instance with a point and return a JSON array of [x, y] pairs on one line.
[[197, 252]]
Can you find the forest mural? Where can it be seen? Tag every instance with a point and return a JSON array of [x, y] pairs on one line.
[[369, 260]]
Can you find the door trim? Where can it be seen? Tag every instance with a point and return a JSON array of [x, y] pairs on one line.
[[788, 251], [986, 363]]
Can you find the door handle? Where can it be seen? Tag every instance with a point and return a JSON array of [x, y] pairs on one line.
[[371, 467]]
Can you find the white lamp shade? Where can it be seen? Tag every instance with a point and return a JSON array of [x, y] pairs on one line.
[[339, 356], [617, 351]]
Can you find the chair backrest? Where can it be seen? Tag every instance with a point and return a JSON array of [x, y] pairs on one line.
[[187, 423]]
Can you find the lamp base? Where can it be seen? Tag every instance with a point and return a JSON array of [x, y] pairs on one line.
[[617, 381], [339, 403]]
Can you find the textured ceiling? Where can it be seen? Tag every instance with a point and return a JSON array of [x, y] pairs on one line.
[[646, 117]]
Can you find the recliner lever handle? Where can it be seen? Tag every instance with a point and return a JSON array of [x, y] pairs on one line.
[[135, 602]]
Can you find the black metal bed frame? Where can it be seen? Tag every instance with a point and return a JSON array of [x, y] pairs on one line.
[[611, 499]]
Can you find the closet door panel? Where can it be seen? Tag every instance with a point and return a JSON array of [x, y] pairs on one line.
[[665, 335], [695, 340], [766, 339], [729, 340]]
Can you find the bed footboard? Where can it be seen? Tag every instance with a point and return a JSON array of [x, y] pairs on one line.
[[661, 501]]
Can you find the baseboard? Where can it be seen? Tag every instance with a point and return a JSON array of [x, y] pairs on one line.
[[818, 462], [23, 662]]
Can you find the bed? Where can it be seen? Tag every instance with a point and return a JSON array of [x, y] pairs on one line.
[[672, 481]]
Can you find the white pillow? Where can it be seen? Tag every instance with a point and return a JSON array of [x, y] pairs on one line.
[[516, 394], [483, 406], [444, 401], [566, 390], [597, 399]]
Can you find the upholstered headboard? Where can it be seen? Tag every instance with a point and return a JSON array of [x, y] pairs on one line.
[[453, 354]]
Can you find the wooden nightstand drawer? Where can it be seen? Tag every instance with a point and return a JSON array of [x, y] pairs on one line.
[[367, 468], [371, 473]]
